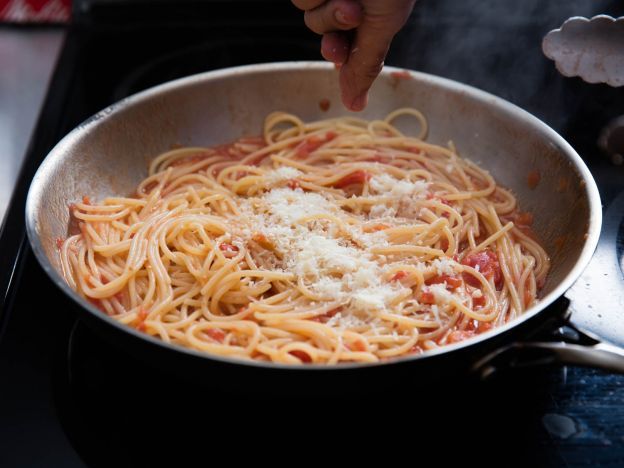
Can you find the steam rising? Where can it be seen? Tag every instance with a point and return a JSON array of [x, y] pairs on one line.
[[495, 45]]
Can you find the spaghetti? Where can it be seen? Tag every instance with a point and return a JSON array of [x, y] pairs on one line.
[[341, 240]]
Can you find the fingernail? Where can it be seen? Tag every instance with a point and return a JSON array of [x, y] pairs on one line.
[[340, 17], [359, 103]]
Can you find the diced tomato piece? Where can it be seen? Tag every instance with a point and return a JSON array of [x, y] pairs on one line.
[[399, 275], [324, 318], [59, 243], [486, 262], [401, 75], [452, 282], [426, 297], [262, 241], [459, 335], [524, 218], [215, 333], [478, 301], [533, 178], [86, 200], [331, 135], [309, 145], [478, 326], [356, 346], [416, 349], [142, 315], [357, 177], [302, 355], [228, 250], [377, 227], [293, 184]]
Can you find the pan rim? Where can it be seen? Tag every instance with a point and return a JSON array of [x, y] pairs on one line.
[[591, 191]]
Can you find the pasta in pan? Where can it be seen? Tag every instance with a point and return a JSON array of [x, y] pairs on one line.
[[341, 240]]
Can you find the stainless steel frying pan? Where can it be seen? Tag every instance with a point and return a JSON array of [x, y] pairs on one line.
[[109, 153]]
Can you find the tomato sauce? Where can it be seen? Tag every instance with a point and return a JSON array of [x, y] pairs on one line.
[[357, 177], [533, 179], [486, 263]]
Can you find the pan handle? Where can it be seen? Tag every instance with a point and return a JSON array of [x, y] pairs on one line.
[[523, 354]]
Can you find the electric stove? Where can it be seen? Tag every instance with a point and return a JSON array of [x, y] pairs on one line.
[[70, 398]]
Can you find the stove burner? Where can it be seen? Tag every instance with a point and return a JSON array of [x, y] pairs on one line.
[[120, 412]]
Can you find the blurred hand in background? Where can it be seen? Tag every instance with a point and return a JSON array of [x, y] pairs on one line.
[[356, 36]]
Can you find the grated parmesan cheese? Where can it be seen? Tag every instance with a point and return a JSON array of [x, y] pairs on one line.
[[373, 298], [382, 211], [282, 174], [289, 206], [332, 266], [444, 266], [389, 186], [476, 293], [441, 294]]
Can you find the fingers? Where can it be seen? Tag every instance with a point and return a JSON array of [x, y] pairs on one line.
[[363, 65], [368, 52], [361, 52], [307, 4], [334, 15], [335, 47]]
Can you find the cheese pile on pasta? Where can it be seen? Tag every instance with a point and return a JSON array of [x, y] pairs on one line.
[[341, 240]]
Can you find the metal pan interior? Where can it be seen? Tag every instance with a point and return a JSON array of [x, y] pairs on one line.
[[109, 154]]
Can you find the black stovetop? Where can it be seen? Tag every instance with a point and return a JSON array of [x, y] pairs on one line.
[[68, 398]]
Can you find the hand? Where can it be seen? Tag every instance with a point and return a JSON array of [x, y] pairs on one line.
[[356, 35]]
